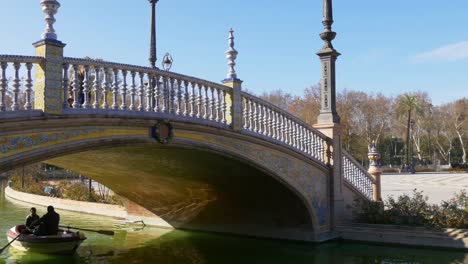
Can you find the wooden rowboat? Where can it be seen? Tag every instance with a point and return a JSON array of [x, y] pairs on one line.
[[63, 243]]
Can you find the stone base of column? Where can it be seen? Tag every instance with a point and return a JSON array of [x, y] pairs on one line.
[[376, 186], [337, 204]]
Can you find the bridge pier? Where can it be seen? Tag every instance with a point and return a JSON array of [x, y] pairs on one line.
[[49, 92], [337, 205]]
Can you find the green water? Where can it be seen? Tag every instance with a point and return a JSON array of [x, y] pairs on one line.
[[132, 244]]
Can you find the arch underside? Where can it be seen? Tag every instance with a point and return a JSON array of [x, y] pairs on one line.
[[196, 189]]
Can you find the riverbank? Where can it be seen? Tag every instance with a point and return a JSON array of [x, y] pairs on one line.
[[130, 212], [109, 210], [449, 238]]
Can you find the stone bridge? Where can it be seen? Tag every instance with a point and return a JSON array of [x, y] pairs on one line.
[[198, 154]]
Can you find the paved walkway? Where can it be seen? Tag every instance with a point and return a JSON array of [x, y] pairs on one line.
[[437, 186]]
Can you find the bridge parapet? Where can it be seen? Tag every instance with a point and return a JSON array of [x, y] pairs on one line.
[[16, 82], [357, 176], [263, 118], [92, 84]]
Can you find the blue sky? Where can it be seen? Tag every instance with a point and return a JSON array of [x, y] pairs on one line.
[[388, 46]]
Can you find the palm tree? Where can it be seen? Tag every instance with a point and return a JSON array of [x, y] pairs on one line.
[[406, 105]]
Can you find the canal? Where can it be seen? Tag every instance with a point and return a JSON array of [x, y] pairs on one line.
[[135, 244]]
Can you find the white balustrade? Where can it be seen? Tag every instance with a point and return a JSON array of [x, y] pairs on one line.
[[134, 88], [270, 122], [16, 82], [357, 176]]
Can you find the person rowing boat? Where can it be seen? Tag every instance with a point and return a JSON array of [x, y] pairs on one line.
[[48, 224]]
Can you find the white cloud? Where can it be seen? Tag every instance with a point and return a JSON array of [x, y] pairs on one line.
[[451, 52]]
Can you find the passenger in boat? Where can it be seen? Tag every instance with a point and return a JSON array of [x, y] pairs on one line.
[[48, 223], [32, 218]]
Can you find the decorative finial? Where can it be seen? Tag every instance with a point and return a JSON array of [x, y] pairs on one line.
[[50, 8], [328, 35], [231, 55], [373, 155]]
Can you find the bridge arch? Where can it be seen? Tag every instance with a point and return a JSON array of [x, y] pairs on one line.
[[51, 139]]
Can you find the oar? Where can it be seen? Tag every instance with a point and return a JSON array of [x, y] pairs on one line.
[[7, 245], [103, 232]]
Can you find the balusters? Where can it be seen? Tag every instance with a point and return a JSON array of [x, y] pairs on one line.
[[3, 87], [28, 85], [16, 86], [123, 105], [296, 135], [86, 87], [274, 124], [132, 91], [115, 90], [157, 95], [141, 91], [262, 119], [105, 91], [245, 102], [199, 101], [212, 105], [269, 122], [309, 143], [172, 94], [179, 97], [164, 95], [192, 101], [76, 87], [255, 117], [224, 108], [218, 106], [206, 102], [65, 84], [97, 86], [186, 98], [301, 138], [150, 88]]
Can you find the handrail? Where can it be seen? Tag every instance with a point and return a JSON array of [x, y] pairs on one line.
[[20, 59], [273, 123], [357, 176], [95, 84], [16, 90], [136, 68], [285, 113]]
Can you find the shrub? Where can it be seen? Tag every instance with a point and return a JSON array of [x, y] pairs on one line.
[[409, 210], [414, 210], [76, 191]]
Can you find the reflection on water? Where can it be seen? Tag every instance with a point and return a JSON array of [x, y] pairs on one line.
[[133, 244]]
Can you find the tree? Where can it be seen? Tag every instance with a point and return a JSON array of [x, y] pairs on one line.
[[459, 117], [407, 104]]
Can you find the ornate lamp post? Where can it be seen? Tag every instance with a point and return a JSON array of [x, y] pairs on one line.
[[153, 56], [328, 56], [167, 62]]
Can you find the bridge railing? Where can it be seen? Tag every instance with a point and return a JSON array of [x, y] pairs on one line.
[[267, 120], [16, 82], [357, 176], [94, 84]]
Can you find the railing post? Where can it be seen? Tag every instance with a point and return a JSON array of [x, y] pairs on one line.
[[49, 91], [235, 102], [376, 172]]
